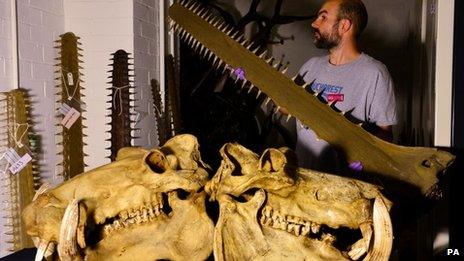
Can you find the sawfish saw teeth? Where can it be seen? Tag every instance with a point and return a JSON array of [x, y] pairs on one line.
[[414, 167]]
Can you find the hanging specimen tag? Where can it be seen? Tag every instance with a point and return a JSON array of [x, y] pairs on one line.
[[20, 164], [70, 115], [70, 79], [11, 156], [17, 163]]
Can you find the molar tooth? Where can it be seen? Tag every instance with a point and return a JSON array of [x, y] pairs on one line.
[[305, 230], [283, 225], [277, 216], [157, 210], [144, 215], [107, 229], [269, 222], [150, 211], [315, 228], [328, 238], [267, 211], [297, 230], [123, 215], [276, 224], [290, 227], [117, 224]]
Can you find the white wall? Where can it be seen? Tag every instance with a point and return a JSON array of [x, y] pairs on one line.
[[5, 85], [444, 74], [104, 26], [39, 24], [5, 46], [146, 53]]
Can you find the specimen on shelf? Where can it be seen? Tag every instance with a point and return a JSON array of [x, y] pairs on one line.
[[70, 105], [17, 171], [120, 111], [167, 114]]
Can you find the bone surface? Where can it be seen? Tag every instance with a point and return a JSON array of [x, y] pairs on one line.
[[287, 213], [147, 205]]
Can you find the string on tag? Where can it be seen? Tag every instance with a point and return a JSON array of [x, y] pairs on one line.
[[116, 92], [16, 127], [66, 87]]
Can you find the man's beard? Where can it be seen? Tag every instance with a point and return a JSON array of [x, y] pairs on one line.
[[327, 40]]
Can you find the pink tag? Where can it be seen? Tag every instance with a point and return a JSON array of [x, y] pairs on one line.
[[20, 164], [71, 116], [335, 97]]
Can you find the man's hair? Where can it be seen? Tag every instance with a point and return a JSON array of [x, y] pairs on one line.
[[355, 11]]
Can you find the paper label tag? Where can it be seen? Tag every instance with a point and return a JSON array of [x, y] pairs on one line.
[[70, 118], [64, 109], [20, 164], [70, 79], [11, 156]]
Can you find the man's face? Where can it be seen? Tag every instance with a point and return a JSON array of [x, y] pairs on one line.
[[325, 26]]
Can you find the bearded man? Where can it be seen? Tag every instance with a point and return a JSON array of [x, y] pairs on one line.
[[357, 83]]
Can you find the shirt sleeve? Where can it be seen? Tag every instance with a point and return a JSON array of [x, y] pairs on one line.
[[382, 110]]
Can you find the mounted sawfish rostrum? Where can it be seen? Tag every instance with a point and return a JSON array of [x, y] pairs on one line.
[[220, 43]]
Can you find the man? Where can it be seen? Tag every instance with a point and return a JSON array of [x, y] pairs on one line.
[[356, 82]]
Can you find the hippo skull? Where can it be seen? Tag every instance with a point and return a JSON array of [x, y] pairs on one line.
[[147, 205], [271, 211]]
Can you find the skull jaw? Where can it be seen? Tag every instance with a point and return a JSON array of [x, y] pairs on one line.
[[167, 237], [239, 236]]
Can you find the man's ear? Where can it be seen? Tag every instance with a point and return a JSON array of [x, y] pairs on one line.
[[345, 25], [272, 160]]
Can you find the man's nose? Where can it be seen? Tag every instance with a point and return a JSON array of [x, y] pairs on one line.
[[314, 24]]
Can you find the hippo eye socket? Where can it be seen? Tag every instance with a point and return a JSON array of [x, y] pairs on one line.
[[182, 194], [157, 162], [426, 163]]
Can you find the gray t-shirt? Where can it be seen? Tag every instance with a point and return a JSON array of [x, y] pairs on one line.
[[363, 88]]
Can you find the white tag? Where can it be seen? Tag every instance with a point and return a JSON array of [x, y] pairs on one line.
[[20, 164], [70, 118], [70, 79], [70, 115], [64, 109], [11, 156]]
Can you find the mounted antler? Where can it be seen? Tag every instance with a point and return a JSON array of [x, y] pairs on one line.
[[265, 24]]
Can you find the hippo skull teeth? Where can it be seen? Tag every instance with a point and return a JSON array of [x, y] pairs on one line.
[[284, 212]]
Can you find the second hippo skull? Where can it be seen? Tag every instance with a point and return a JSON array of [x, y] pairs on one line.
[[271, 211], [147, 205]]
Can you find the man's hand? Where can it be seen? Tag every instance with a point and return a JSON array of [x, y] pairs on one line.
[[283, 110], [384, 132]]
